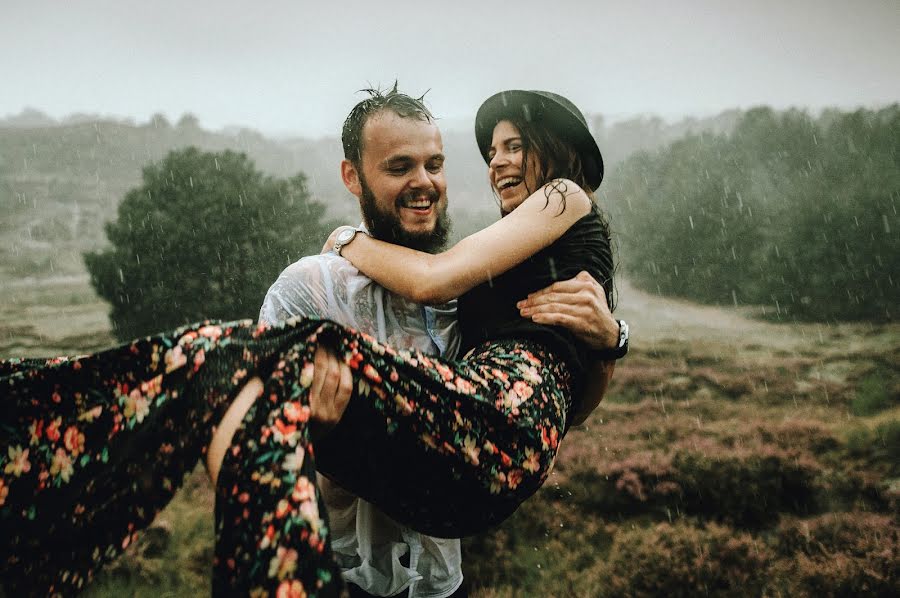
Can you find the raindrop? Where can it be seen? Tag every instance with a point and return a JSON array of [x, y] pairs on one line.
[[691, 219]]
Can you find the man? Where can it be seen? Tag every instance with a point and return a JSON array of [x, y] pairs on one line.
[[394, 165]]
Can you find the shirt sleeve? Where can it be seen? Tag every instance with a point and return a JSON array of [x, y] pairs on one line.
[[302, 289]]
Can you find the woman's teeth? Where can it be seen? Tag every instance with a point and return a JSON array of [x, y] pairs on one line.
[[508, 182]]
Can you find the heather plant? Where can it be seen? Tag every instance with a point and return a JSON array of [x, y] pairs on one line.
[[838, 554], [684, 560]]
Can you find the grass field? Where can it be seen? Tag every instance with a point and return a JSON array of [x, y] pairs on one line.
[[733, 456]]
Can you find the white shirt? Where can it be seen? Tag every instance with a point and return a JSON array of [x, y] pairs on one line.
[[370, 547]]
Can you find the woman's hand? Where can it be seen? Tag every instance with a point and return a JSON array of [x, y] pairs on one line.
[[329, 244]]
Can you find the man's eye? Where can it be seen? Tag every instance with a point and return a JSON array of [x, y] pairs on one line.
[[435, 167], [397, 170]]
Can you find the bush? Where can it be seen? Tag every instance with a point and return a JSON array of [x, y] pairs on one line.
[[872, 395], [744, 487], [683, 560], [203, 237], [839, 554]]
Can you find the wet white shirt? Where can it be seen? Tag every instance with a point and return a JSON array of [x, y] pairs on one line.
[[375, 552]]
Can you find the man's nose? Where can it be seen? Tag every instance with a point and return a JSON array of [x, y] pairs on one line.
[[421, 179]]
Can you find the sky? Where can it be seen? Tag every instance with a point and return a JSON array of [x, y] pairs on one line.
[[295, 67]]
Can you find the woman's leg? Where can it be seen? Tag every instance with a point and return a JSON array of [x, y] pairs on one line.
[[94, 447]]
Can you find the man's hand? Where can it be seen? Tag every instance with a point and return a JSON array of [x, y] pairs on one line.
[[578, 304], [330, 391]]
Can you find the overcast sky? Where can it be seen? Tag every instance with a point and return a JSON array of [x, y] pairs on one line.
[[293, 67]]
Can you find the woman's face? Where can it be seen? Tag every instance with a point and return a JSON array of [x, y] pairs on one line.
[[512, 178]]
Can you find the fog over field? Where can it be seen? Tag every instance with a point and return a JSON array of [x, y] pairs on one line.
[[749, 443], [291, 68]]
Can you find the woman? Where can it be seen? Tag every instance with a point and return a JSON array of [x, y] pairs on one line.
[[476, 437]]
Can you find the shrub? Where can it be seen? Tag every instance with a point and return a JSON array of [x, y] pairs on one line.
[[683, 560], [838, 554]]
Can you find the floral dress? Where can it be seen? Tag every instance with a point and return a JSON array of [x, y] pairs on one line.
[[94, 447]]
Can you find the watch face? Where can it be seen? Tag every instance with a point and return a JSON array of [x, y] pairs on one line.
[[345, 236]]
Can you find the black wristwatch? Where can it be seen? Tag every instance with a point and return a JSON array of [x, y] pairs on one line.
[[617, 352]]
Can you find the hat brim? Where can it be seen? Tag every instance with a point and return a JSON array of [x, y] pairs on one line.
[[539, 108]]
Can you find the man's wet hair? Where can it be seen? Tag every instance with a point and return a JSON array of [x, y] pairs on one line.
[[399, 103]]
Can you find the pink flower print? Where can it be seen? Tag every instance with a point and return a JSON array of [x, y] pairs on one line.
[[52, 432], [18, 461], [199, 359], [530, 374], [306, 374], [303, 490], [74, 441], [36, 429], [282, 508], [175, 358], [372, 374], [549, 439], [238, 376], [136, 405], [212, 332], [309, 510], [445, 372], [514, 478], [403, 404], [61, 465], [283, 564], [532, 461], [522, 389], [464, 386], [91, 414], [284, 433], [294, 461], [152, 387], [295, 412], [470, 450], [290, 589]]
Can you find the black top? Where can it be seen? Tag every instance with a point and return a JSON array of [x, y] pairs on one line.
[[488, 312]]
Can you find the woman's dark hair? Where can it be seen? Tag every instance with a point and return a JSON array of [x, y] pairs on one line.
[[558, 159]]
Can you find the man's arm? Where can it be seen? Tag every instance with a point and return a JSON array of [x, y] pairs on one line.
[[579, 304], [302, 289]]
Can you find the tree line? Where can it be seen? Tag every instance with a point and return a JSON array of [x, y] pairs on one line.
[[794, 213]]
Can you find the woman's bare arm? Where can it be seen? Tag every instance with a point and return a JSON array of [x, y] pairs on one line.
[[424, 278]]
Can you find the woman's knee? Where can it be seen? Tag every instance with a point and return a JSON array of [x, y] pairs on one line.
[[231, 421]]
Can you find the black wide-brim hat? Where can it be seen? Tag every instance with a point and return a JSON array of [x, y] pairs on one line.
[[544, 108]]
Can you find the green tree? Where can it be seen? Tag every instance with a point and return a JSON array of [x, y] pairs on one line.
[[203, 237], [786, 211]]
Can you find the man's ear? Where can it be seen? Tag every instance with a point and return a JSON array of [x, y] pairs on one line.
[[350, 176]]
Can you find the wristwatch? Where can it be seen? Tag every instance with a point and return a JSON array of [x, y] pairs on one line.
[[344, 237], [617, 352]]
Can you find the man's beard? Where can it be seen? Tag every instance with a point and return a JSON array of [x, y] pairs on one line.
[[387, 227]]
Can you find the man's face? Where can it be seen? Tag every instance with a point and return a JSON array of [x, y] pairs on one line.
[[402, 189]]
